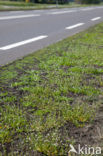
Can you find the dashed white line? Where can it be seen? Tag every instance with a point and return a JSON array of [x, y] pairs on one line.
[[87, 9], [96, 18], [16, 12], [14, 45], [20, 16], [100, 7], [62, 12], [74, 26]]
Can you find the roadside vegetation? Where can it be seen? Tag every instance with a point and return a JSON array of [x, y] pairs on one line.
[[9, 5], [53, 98], [19, 5]]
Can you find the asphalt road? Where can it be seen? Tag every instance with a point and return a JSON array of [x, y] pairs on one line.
[[23, 32]]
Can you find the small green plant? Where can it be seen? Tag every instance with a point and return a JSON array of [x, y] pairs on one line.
[[49, 97], [12, 121]]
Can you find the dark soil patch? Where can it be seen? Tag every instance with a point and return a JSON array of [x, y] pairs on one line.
[[91, 134]]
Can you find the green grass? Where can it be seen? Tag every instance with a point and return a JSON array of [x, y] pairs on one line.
[[46, 91], [12, 5]]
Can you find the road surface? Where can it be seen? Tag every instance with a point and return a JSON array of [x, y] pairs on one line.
[[23, 32]]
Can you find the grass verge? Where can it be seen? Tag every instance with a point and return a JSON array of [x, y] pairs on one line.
[[10, 5], [54, 98]]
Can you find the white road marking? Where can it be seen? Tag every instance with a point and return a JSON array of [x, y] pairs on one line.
[[96, 18], [62, 12], [37, 10], [14, 45], [74, 26], [16, 12], [86, 9], [99, 7], [16, 17]]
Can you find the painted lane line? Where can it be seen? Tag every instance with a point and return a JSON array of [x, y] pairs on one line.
[[14, 45], [87, 9], [16, 12], [35, 11], [16, 17], [96, 18], [62, 12], [100, 7], [74, 26]]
